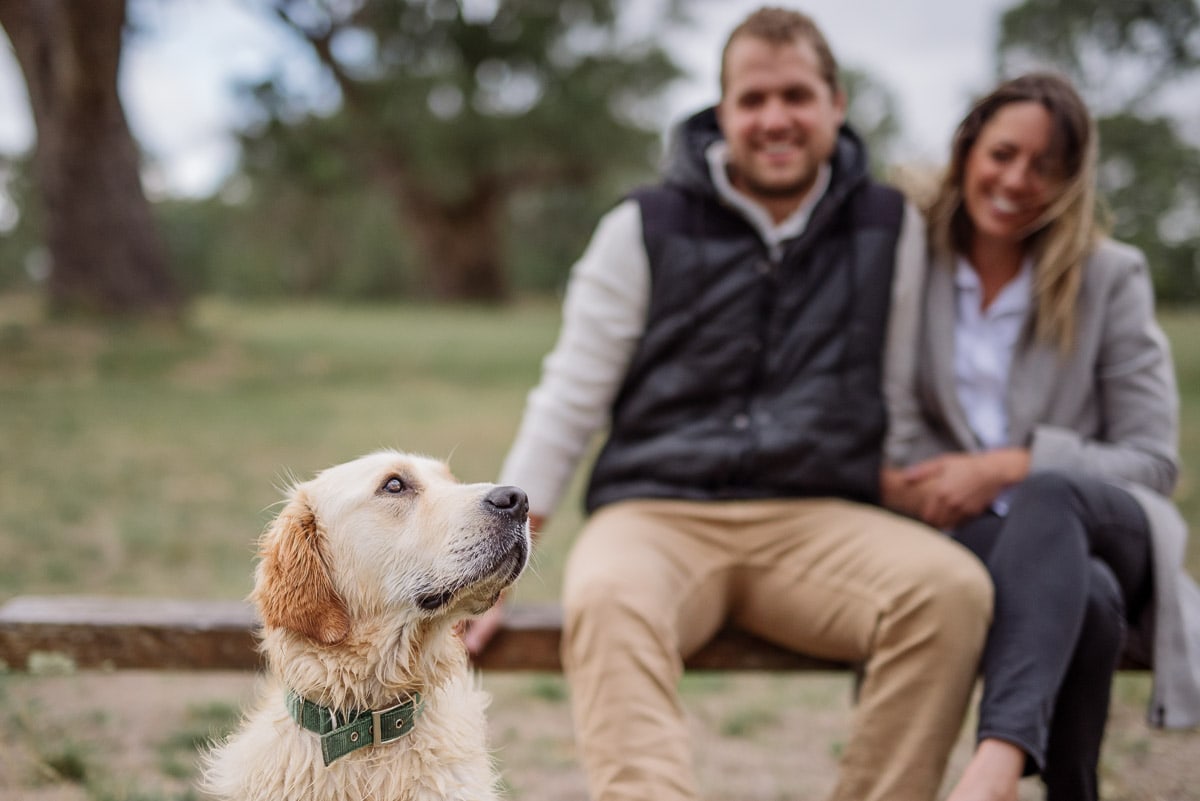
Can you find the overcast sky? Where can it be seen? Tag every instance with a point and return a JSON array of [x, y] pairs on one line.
[[934, 55]]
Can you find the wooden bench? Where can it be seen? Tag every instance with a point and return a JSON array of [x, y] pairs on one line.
[[103, 633]]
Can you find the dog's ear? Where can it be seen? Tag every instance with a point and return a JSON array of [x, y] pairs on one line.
[[293, 588]]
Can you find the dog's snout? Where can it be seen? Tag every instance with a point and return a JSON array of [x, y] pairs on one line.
[[511, 501]]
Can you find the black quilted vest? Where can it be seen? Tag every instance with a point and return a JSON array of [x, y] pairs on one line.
[[756, 378]]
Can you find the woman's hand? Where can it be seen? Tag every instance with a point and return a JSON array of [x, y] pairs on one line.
[[953, 487]]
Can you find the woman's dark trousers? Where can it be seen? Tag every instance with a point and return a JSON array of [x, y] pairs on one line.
[[1071, 564]]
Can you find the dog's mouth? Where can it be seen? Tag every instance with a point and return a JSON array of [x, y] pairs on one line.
[[489, 579], [435, 601]]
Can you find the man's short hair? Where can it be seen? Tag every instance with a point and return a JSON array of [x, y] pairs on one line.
[[782, 26]]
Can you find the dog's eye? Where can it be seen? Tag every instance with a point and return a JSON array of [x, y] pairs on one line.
[[394, 485]]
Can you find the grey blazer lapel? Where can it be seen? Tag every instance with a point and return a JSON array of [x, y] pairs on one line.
[[1031, 385], [940, 310]]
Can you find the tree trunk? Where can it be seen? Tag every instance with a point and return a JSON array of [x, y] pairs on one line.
[[460, 245], [105, 251]]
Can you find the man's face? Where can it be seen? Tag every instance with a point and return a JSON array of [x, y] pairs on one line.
[[779, 117]]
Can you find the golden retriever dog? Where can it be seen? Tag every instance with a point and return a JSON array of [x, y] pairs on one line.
[[360, 582]]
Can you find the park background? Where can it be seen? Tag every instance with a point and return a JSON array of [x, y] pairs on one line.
[[376, 260]]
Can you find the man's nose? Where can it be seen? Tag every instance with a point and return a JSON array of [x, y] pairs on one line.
[[774, 114]]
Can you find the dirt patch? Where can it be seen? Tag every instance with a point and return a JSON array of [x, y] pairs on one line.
[[132, 735]]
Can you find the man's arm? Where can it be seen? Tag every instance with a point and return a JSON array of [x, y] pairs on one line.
[[903, 338], [604, 315]]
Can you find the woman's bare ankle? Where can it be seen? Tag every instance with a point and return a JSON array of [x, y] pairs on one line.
[[992, 774]]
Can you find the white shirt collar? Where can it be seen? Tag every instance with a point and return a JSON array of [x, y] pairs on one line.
[[773, 234], [1014, 297]]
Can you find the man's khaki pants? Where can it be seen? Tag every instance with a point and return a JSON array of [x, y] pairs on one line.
[[649, 582]]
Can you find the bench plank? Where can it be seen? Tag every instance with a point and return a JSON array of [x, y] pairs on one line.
[[106, 633], [92, 632], [98, 632]]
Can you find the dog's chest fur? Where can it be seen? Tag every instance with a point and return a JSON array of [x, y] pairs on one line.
[[444, 756]]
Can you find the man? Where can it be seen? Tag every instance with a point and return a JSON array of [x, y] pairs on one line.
[[729, 327]]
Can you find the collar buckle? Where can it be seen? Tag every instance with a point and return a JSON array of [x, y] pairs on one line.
[[398, 722]]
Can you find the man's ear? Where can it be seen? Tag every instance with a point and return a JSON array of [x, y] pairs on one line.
[[293, 588]]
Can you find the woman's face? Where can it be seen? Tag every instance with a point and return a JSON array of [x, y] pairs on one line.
[[1011, 174]]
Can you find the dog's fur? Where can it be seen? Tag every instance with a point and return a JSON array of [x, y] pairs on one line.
[[360, 582]]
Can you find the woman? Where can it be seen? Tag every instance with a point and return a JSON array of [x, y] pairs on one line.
[[1041, 431]]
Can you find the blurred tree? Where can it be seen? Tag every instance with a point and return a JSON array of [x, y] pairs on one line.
[[1150, 178], [457, 108], [302, 218], [104, 252], [873, 112], [1137, 65], [1124, 56], [23, 260]]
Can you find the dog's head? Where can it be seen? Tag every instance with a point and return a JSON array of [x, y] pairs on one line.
[[388, 536]]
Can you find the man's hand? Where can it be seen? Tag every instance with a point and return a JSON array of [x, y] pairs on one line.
[[478, 632], [899, 494]]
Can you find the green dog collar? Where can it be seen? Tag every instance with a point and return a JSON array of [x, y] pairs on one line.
[[341, 734]]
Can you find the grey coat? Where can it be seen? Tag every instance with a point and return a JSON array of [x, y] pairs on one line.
[[1109, 407]]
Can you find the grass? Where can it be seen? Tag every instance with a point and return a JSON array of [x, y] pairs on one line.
[[136, 461], [204, 723], [145, 461]]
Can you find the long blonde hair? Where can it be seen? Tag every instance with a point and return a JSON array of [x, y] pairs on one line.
[[1065, 235]]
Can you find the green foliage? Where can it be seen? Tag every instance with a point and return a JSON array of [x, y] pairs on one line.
[[548, 229], [872, 111], [1121, 54], [61, 756], [203, 725], [286, 240], [69, 762], [748, 720], [21, 250], [1150, 178], [539, 86], [457, 116], [548, 687], [698, 683]]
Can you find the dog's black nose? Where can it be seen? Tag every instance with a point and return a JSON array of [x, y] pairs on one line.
[[511, 501]]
